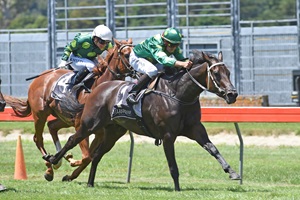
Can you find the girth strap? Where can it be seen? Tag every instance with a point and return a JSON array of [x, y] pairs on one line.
[[142, 125]]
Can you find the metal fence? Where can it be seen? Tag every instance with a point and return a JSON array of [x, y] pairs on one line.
[[261, 59], [22, 54]]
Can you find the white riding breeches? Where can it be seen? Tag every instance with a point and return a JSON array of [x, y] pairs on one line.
[[79, 63], [143, 66]]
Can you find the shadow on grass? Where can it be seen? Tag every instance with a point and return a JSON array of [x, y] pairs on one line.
[[113, 185]]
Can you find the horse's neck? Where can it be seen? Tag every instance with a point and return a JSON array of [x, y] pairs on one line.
[[183, 87], [107, 76]]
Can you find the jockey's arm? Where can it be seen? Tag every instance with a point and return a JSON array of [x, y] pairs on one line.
[[185, 64]]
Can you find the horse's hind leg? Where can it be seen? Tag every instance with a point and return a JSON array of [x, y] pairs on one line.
[[54, 126], [111, 135], [95, 143], [168, 143], [39, 124], [204, 141], [73, 140]]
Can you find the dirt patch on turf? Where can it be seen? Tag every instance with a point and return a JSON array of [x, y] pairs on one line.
[[222, 138]]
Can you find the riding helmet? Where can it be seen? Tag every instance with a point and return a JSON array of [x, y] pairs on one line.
[[103, 32], [172, 35]]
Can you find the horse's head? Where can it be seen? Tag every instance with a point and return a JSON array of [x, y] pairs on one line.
[[117, 60], [120, 59], [218, 78]]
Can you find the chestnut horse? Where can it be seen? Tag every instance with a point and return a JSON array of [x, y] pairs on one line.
[[171, 109], [41, 105], [2, 100]]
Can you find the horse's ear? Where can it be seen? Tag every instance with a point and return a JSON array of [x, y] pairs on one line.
[[204, 55], [220, 56], [130, 40], [117, 42]]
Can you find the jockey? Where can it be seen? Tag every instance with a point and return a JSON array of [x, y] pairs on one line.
[[83, 52], [153, 54]]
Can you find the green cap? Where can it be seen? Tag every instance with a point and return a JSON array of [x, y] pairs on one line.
[[172, 35]]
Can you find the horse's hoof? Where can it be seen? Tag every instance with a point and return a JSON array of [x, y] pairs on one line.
[[58, 164], [68, 157], [235, 176], [90, 185], [66, 178], [48, 177]]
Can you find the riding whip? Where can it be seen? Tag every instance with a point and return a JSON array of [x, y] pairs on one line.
[[33, 77]]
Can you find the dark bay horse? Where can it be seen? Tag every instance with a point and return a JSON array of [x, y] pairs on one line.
[[41, 105], [2, 100], [172, 109]]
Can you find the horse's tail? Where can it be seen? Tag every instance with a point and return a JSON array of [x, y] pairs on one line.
[[20, 107]]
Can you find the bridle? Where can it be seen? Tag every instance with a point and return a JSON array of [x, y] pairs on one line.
[[209, 75], [131, 72]]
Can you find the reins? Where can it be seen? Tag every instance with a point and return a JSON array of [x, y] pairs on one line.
[[209, 75], [197, 83]]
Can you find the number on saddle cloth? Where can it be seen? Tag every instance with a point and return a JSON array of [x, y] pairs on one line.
[[61, 86]]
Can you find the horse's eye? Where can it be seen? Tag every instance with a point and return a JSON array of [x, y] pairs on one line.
[[216, 74], [126, 56]]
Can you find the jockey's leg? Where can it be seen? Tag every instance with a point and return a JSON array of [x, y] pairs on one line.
[[141, 84], [79, 76]]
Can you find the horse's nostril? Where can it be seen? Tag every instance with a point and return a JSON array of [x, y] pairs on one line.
[[232, 94]]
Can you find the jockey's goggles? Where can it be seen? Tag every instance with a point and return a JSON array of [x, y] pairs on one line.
[[172, 45], [100, 41]]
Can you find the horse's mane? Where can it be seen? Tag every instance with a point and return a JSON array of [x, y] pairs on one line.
[[197, 56]]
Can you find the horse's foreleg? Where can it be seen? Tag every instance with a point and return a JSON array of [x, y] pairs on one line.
[[54, 126], [204, 141], [73, 140], [96, 142], [168, 143], [210, 147]]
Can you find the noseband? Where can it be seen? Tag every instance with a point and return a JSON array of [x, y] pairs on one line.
[[209, 75]]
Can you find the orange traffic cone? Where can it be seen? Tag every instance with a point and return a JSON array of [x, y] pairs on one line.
[[20, 168]]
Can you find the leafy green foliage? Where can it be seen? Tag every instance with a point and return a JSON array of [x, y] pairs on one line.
[[33, 14]]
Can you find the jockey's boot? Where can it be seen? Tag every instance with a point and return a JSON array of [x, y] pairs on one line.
[[141, 84], [78, 77], [88, 77]]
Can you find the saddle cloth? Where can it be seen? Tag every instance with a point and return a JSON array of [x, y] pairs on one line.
[[121, 107], [59, 89]]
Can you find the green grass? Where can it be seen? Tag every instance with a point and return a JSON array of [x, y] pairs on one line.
[[269, 173], [212, 128], [26, 127]]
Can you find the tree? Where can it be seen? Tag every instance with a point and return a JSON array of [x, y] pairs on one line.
[[33, 14]]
